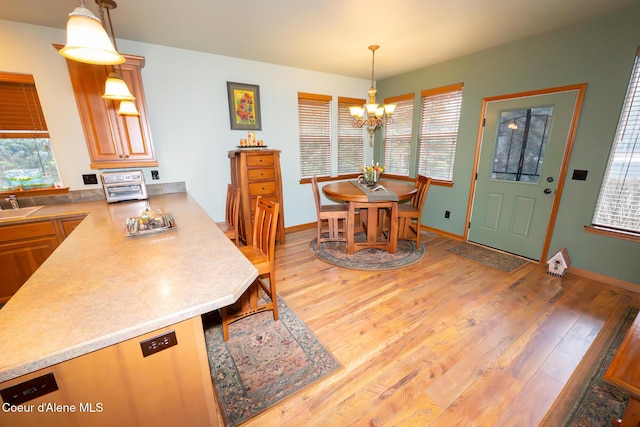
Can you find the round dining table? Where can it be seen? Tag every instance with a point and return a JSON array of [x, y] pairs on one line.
[[372, 211]]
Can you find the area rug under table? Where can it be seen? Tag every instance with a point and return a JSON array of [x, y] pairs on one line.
[[494, 259], [264, 361], [335, 253]]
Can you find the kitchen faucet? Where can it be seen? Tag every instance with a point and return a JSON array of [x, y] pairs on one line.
[[13, 201]]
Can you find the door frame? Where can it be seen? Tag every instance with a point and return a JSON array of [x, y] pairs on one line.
[[581, 88]]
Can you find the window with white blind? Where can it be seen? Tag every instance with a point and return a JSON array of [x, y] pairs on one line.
[[26, 156], [314, 123], [397, 136], [618, 206], [350, 138], [440, 115]]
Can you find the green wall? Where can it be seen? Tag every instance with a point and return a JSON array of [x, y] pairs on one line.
[[600, 53]]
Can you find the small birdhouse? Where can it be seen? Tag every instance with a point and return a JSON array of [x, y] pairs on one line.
[[559, 263]]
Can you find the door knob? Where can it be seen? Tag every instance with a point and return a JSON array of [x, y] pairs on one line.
[[547, 191], [549, 179]]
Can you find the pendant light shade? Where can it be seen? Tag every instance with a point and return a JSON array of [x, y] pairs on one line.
[[128, 108], [88, 41], [115, 88]]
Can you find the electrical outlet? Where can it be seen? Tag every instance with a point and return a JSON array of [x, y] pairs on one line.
[[89, 179], [161, 342], [29, 390], [155, 175], [447, 214]]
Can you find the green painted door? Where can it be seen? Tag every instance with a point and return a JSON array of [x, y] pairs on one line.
[[521, 154]]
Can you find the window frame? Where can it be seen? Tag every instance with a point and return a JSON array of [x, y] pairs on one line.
[[448, 137], [315, 104], [406, 101], [33, 127], [348, 135], [627, 136]]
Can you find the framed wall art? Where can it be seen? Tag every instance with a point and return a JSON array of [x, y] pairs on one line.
[[244, 106]]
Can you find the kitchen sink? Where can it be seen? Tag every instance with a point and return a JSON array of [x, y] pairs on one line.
[[18, 213]]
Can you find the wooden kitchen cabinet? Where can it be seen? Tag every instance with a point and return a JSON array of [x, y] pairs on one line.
[[113, 141], [119, 386], [67, 225], [257, 173], [25, 246]]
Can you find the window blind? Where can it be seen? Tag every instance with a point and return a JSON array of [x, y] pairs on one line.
[[618, 205], [397, 136], [440, 116], [21, 115], [314, 123], [350, 138]]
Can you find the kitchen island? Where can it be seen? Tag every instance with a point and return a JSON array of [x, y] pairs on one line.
[[100, 300]]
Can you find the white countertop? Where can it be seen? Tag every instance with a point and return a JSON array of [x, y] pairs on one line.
[[100, 288]]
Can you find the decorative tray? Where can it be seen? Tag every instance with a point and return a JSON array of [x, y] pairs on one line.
[[136, 227]]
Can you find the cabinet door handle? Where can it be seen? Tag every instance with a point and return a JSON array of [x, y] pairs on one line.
[[121, 156], [127, 156]]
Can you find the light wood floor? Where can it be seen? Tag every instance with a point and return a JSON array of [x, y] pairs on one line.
[[443, 342]]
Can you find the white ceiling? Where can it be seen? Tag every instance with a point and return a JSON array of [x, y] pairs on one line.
[[326, 35]]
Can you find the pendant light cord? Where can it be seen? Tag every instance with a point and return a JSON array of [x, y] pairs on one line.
[[107, 5]]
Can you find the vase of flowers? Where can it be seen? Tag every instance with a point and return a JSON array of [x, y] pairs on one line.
[[371, 174]]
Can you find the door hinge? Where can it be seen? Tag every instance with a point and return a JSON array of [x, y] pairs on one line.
[[469, 224], [484, 121], [476, 176]]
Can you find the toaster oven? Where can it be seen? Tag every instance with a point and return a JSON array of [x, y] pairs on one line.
[[121, 186]]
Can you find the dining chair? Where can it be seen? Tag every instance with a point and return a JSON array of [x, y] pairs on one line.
[[410, 214], [232, 215], [333, 214], [261, 253]]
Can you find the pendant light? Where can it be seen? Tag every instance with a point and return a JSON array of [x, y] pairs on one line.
[[128, 108], [87, 39], [115, 88]]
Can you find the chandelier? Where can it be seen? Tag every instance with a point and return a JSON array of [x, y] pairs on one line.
[[372, 115]]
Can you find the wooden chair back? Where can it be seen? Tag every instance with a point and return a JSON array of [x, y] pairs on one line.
[[232, 214], [316, 194], [265, 225], [334, 214], [232, 211], [423, 183]]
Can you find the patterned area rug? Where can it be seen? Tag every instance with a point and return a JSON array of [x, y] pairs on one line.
[[488, 257], [587, 400], [368, 259], [264, 361]]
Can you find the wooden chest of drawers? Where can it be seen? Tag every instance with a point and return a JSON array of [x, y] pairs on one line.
[[257, 173]]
